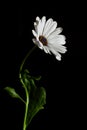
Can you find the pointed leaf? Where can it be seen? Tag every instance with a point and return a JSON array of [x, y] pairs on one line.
[[12, 92]]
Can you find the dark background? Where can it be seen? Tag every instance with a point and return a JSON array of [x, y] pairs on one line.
[[63, 80]]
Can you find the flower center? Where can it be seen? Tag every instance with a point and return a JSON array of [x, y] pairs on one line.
[[43, 40]]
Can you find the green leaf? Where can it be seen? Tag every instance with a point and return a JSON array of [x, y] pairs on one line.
[[37, 96], [12, 92], [37, 100], [28, 81]]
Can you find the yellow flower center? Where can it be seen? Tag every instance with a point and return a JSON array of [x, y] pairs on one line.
[[43, 40]]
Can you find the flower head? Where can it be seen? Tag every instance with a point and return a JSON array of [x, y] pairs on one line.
[[48, 37]]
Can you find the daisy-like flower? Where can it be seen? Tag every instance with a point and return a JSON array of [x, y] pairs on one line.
[[48, 37]]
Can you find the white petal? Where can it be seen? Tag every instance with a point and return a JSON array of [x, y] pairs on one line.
[[40, 45], [40, 25], [58, 48], [39, 28], [37, 43], [62, 37], [61, 49], [58, 30], [55, 33], [34, 33], [35, 26], [58, 56], [59, 39], [52, 37], [47, 25], [36, 23], [34, 40], [51, 29], [37, 19], [46, 49], [43, 22]]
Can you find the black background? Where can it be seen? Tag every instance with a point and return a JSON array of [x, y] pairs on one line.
[[62, 80]]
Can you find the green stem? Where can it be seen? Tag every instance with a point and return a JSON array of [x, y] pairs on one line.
[[26, 103], [21, 99], [26, 108], [26, 91], [28, 54]]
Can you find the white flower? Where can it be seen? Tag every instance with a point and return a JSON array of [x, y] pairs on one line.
[[48, 37]]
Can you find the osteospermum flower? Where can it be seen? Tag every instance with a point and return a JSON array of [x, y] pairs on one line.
[[48, 37]]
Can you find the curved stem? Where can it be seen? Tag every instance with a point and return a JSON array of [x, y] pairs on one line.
[[26, 91], [26, 108], [26, 103], [22, 64]]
